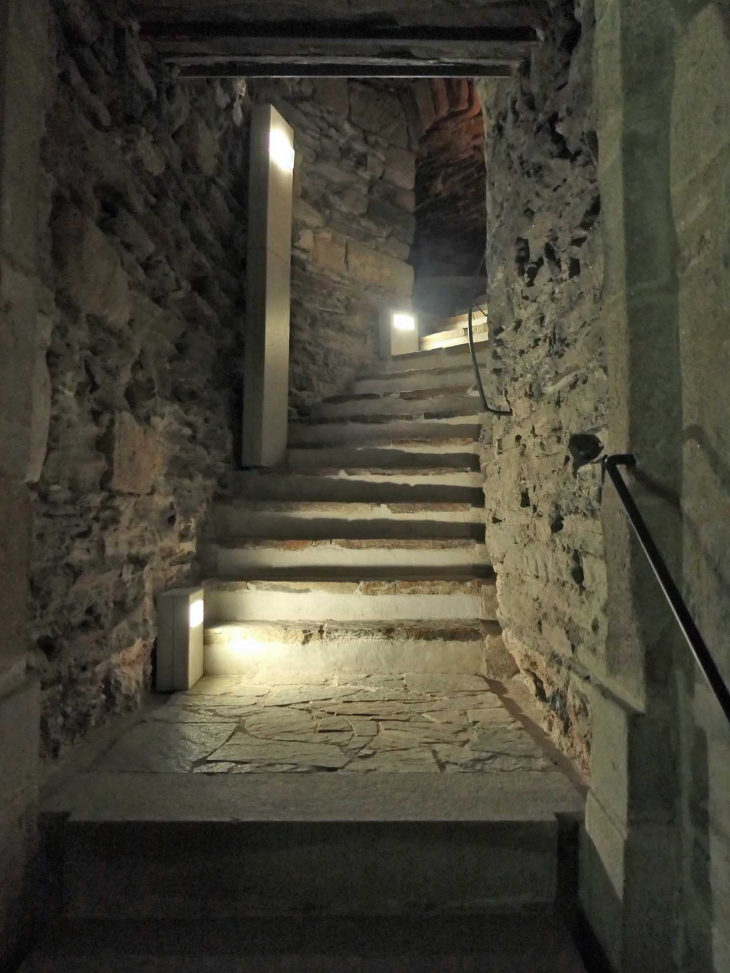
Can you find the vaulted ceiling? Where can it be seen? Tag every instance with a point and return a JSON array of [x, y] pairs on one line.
[[386, 38]]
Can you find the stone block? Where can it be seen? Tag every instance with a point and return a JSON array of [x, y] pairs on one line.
[[498, 663], [15, 530], [400, 167], [90, 272], [377, 111], [18, 313], [329, 252], [632, 763], [379, 269], [332, 93], [304, 212], [80, 20], [199, 144], [135, 456]]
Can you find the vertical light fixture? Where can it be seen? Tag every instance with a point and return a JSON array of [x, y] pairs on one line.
[[266, 360], [180, 638], [398, 332]]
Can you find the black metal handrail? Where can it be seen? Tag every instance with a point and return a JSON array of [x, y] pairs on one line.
[[472, 349], [697, 644]]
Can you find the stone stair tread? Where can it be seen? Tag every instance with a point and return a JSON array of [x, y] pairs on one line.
[[431, 625], [407, 395], [440, 442], [354, 543], [426, 374], [459, 334], [352, 506], [534, 940], [128, 797], [386, 417], [355, 471], [426, 583]]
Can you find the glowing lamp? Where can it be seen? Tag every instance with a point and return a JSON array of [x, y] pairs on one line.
[[398, 333], [180, 638], [404, 322], [281, 150]]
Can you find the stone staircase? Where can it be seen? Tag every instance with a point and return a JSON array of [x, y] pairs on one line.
[[366, 552], [349, 596]]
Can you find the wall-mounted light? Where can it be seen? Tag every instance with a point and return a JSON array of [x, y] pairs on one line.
[[404, 322], [398, 332], [180, 638], [281, 149]]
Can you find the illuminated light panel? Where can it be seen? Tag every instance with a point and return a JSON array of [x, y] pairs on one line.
[[280, 150], [404, 322], [197, 613]]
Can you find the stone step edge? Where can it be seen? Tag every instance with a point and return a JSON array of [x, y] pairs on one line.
[[343, 506], [469, 584], [350, 543], [343, 472], [405, 395], [462, 630], [481, 343], [442, 441], [389, 376], [382, 419]]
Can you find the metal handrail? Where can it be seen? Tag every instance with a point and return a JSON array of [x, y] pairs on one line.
[[697, 644], [472, 349]]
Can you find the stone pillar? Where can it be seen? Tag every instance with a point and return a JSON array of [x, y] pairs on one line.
[[25, 63], [631, 855], [266, 368]]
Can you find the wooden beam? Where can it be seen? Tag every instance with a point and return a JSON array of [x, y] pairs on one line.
[[323, 69]]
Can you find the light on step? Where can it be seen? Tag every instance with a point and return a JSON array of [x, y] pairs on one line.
[[180, 638]]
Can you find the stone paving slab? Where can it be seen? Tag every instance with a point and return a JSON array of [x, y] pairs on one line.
[[415, 723]]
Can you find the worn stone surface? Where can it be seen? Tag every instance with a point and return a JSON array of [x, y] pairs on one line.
[[141, 255], [544, 261], [392, 724]]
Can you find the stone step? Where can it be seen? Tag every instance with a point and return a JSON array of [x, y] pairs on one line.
[[383, 429], [451, 401], [349, 600], [268, 653], [323, 519], [400, 455], [236, 557], [364, 485], [436, 358], [415, 379], [535, 941], [164, 846], [456, 336]]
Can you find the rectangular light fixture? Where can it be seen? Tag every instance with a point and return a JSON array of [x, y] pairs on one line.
[[404, 322], [180, 639], [281, 150], [398, 332]]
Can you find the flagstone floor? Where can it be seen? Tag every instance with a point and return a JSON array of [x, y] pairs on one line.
[[417, 723]]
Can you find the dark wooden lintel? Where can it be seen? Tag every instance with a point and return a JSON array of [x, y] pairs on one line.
[[323, 69]]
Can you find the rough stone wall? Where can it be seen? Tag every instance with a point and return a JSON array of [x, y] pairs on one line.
[[545, 274], [142, 261], [353, 225], [450, 189]]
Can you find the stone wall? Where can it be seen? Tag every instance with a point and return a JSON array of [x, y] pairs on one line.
[[142, 260], [545, 275], [353, 224], [450, 194], [657, 815]]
